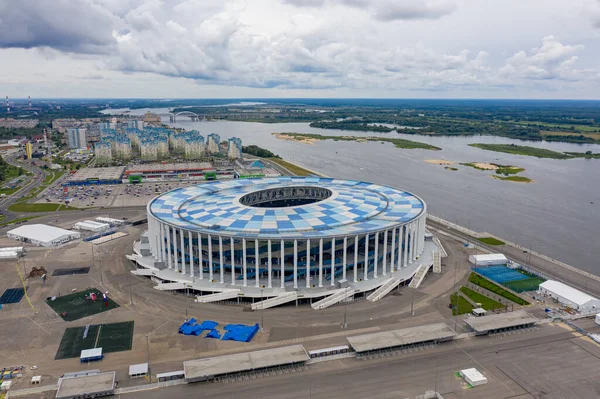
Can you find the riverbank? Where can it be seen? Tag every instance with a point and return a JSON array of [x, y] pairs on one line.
[[534, 151]]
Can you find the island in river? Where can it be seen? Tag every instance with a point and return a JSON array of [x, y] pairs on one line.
[[308, 138]]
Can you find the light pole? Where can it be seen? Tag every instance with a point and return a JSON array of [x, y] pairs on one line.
[[345, 323], [412, 296], [186, 305], [262, 312], [529, 254], [130, 291], [455, 293], [148, 350]]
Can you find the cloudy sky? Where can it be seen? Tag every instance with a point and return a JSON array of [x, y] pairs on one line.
[[300, 48]]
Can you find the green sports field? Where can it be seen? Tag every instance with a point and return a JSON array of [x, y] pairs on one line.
[[113, 337], [78, 307]]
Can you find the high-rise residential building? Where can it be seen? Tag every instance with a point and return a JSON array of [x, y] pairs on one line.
[[213, 143], [28, 150], [234, 148], [77, 138], [103, 152], [135, 125]]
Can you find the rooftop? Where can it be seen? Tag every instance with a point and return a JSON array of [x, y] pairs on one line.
[[402, 337], [568, 292], [108, 173], [41, 232], [168, 167], [353, 207], [502, 320], [70, 387], [202, 369]]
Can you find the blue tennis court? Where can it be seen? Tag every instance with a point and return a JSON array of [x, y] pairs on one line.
[[12, 295], [500, 274]]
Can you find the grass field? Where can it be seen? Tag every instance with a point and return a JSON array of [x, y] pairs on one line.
[[521, 150], [113, 337], [78, 307], [9, 191], [530, 284], [486, 303], [463, 305], [488, 285], [50, 207], [519, 179], [18, 220], [399, 143], [559, 133], [491, 241], [297, 170]]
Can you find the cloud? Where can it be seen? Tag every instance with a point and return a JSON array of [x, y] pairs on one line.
[[305, 3], [75, 26]]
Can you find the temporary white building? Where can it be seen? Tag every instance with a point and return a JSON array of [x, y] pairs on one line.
[[597, 319], [111, 221], [42, 234], [18, 250], [488, 259], [90, 225], [9, 255], [473, 377], [569, 296]]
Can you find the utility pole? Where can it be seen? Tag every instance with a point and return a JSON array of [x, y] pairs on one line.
[[345, 323], [436, 377], [456, 293], [412, 296], [148, 350], [262, 312], [130, 291], [186, 305]]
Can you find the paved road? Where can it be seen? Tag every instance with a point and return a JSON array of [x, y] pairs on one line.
[[551, 269], [39, 174]]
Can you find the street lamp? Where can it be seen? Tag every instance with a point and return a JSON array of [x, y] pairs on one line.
[[186, 304], [345, 323], [148, 350], [262, 311]]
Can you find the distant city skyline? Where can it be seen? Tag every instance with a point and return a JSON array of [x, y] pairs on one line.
[[300, 49]]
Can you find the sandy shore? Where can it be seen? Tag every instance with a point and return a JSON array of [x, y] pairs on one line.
[[440, 161], [298, 139], [486, 166]]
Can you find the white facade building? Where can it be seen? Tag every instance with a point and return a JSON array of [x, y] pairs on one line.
[[42, 234], [90, 225], [569, 296], [488, 259], [77, 138]]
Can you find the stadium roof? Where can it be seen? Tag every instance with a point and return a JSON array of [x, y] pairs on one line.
[[567, 292], [354, 207], [41, 232]]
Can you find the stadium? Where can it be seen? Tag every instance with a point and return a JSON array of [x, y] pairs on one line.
[[285, 237]]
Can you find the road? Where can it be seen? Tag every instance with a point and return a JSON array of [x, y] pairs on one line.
[[39, 176], [552, 269]]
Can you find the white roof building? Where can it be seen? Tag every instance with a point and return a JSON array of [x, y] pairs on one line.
[[42, 234], [90, 225], [488, 259], [473, 377], [569, 296]]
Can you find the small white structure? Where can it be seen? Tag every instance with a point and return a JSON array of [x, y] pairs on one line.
[[18, 250], [473, 377], [597, 320], [90, 225], [478, 312], [111, 221], [5, 386], [488, 259], [569, 296], [36, 379], [9, 255], [42, 234], [138, 370]]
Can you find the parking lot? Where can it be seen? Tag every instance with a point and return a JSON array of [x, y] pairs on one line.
[[105, 196]]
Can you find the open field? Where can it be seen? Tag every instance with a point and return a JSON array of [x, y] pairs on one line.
[[518, 179], [295, 169], [488, 285], [595, 136], [460, 305], [47, 207], [486, 303], [532, 151], [491, 241]]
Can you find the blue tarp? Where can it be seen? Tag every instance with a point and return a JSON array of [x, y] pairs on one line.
[[187, 327], [213, 334], [240, 332], [191, 328], [208, 325]]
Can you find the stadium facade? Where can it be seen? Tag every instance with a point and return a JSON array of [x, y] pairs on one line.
[[283, 234]]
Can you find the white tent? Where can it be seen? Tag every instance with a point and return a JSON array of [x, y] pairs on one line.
[[42, 234], [569, 296], [488, 259]]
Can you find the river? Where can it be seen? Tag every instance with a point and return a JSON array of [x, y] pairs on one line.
[[558, 214]]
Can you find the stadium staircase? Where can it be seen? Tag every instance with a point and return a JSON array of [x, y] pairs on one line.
[[219, 296], [337, 297], [384, 289], [419, 276], [275, 301], [142, 272], [437, 262], [169, 286]]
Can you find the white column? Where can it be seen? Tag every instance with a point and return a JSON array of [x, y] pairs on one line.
[[385, 236], [411, 249], [366, 264], [376, 255], [210, 263], [244, 264], [270, 266], [307, 263], [422, 235], [295, 263], [332, 276], [152, 236], [221, 268], [232, 262], [405, 263], [155, 237], [191, 244], [182, 251], [414, 242], [161, 247], [399, 261], [256, 262], [201, 266], [344, 258], [175, 253], [320, 263], [282, 264], [393, 252], [356, 258], [169, 262]]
